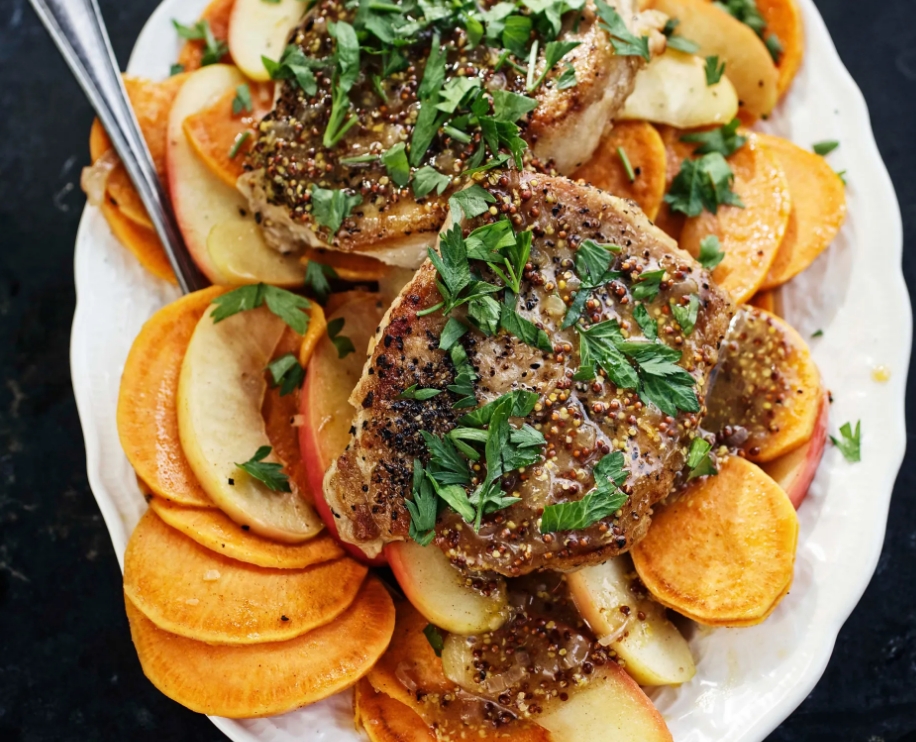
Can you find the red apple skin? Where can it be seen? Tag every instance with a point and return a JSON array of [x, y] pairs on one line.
[[324, 402], [316, 467], [795, 471]]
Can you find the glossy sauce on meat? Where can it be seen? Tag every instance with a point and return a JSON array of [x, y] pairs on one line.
[[581, 421]]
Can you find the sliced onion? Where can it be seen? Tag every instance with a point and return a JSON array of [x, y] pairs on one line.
[[94, 179]]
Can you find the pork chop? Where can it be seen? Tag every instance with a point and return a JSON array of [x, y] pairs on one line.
[[601, 285], [391, 206]]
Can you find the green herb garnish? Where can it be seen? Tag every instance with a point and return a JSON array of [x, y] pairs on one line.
[[850, 442], [270, 474], [286, 373], [285, 304], [343, 344], [604, 500]]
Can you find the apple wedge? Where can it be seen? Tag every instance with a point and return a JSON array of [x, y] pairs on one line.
[[611, 708], [200, 198], [441, 593], [747, 61], [634, 626], [241, 256], [324, 401], [260, 29], [220, 393], [795, 471], [672, 90]]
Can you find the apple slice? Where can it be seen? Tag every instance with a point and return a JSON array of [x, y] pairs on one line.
[[324, 401], [220, 393], [239, 253], [441, 593], [260, 29], [795, 471], [747, 60], [611, 707], [200, 198], [634, 626], [672, 90]]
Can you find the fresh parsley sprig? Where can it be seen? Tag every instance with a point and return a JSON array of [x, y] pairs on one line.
[[850, 442], [723, 139], [704, 183], [605, 499], [699, 461], [214, 49], [285, 304], [269, 473], [286, 373], [342, 343], [624, 41]]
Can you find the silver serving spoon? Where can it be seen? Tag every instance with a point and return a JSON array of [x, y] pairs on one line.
[[77, 28]]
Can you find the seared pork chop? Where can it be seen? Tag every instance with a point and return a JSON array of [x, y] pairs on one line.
[[626, 377], [431, 91]]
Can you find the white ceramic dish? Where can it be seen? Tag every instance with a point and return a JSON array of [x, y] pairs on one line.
[[748, 680]]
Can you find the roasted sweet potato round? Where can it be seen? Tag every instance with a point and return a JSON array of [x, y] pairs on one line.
[[388, 720], [222, 134], [142, 241], [644, 150], [187, 589], [818, 208], [723, 553], [219, 533], [272, 678], [767, 392], [147, 413], [750, 236]]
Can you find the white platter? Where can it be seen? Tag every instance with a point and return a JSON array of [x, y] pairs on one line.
[[748, 680]]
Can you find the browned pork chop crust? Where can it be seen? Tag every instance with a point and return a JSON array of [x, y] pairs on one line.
[[390, 223], [581, 421]]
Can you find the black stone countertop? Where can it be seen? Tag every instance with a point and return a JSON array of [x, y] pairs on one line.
[[67, 667]]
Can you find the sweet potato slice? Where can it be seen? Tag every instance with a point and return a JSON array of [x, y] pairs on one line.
[[348, 266], [387, 720], [767, 393], [217, 14], [147, 413], [151, 102], [142, 242], [723, 554], [318, 326], [219, 533], [751, 236], [766, 300], [784, 20], [271, 678], [222, 137], [818, 208], [189, 590], [645, 152]]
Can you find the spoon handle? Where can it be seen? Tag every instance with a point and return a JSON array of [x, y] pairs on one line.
[[77, 28]]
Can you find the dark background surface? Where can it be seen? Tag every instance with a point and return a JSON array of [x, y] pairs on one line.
[[67, 667]]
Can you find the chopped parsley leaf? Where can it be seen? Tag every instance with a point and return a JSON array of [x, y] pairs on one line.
[[293, 65], [627, 167], [331, 207], [711, 253], [316, 279], [825, 148], [427, 179], [343, 344], [240, 140], [625, 43], [850, 442], [285, 304], [605, 499], [412, 392], [214, 49], [395, 160], [242, 101], [699, 462], [686, 314], [423, 508], [703, 183], [286, 373], [714, 70], [269, 473], [724, 139], [648, 325], [434, 637]]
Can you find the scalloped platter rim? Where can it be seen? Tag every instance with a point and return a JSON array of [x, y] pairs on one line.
[[748, 680]]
